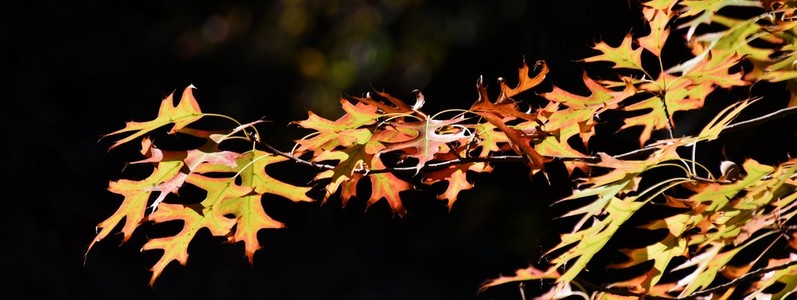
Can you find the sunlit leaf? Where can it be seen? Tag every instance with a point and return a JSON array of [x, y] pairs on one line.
[[185, 112]]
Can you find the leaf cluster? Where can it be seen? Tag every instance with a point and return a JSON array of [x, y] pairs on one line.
[[380, 143]]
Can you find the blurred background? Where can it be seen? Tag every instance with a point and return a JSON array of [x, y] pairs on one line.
[[76, 70]]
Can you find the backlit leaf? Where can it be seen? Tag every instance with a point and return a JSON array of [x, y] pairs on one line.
[[623, 56], [659, 32], [174, 247], [185, 112], [456, 175], [431, 136], [388, 186]]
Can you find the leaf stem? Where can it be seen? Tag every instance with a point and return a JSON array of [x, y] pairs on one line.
[[783, 112], [516, 158], [696, 295], [296, 159]]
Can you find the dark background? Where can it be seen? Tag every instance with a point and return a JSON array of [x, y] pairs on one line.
[[78, 69]]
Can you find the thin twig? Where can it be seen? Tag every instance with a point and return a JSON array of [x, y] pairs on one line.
[[433, 165], [746, 277], [670, 125], [296, 159], [755, 121], [517, 158], [619, 292], [447, 163], [454, 151], [696, 295]]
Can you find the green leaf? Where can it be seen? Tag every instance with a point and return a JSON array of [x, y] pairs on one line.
[[623, 56]]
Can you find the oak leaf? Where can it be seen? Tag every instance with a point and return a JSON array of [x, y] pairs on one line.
[[612, 208], [665, 5], [702, 12], [388, 186], [342, 132], [661, 252], [659, 32], [186, 161], [530, 273], [524, 83], [505, 106], [431, 136], [579, 116], [584, 244], [456, 176], [623, 56], [136, 196], [353, 163], [349, 161], [174, 247], [242, 202], [786, 277], [708, 264], [251, 166], [658, 110], [185, 112], [399, 107], [491, 140], [499, 113]]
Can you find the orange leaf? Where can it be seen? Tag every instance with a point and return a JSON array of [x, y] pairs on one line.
[[348, 188], [388, 186], [530, 273], [657, 20], [579, 117], [186, 112], [400, 106], [174, 247], [456, 175], [601, 98], [350, 160], [665, 5], [341, 132], [505, 106], [136, 195], [495, 114], [524, 81]]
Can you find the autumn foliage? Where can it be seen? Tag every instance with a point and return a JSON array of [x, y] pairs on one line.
[[707, 214]]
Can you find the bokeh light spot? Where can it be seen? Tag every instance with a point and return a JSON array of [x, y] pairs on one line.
[[311, 62], [216, 29], [341, 74], [293, 20]]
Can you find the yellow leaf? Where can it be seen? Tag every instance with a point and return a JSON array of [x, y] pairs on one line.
[[623, 56], [185, 112]]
